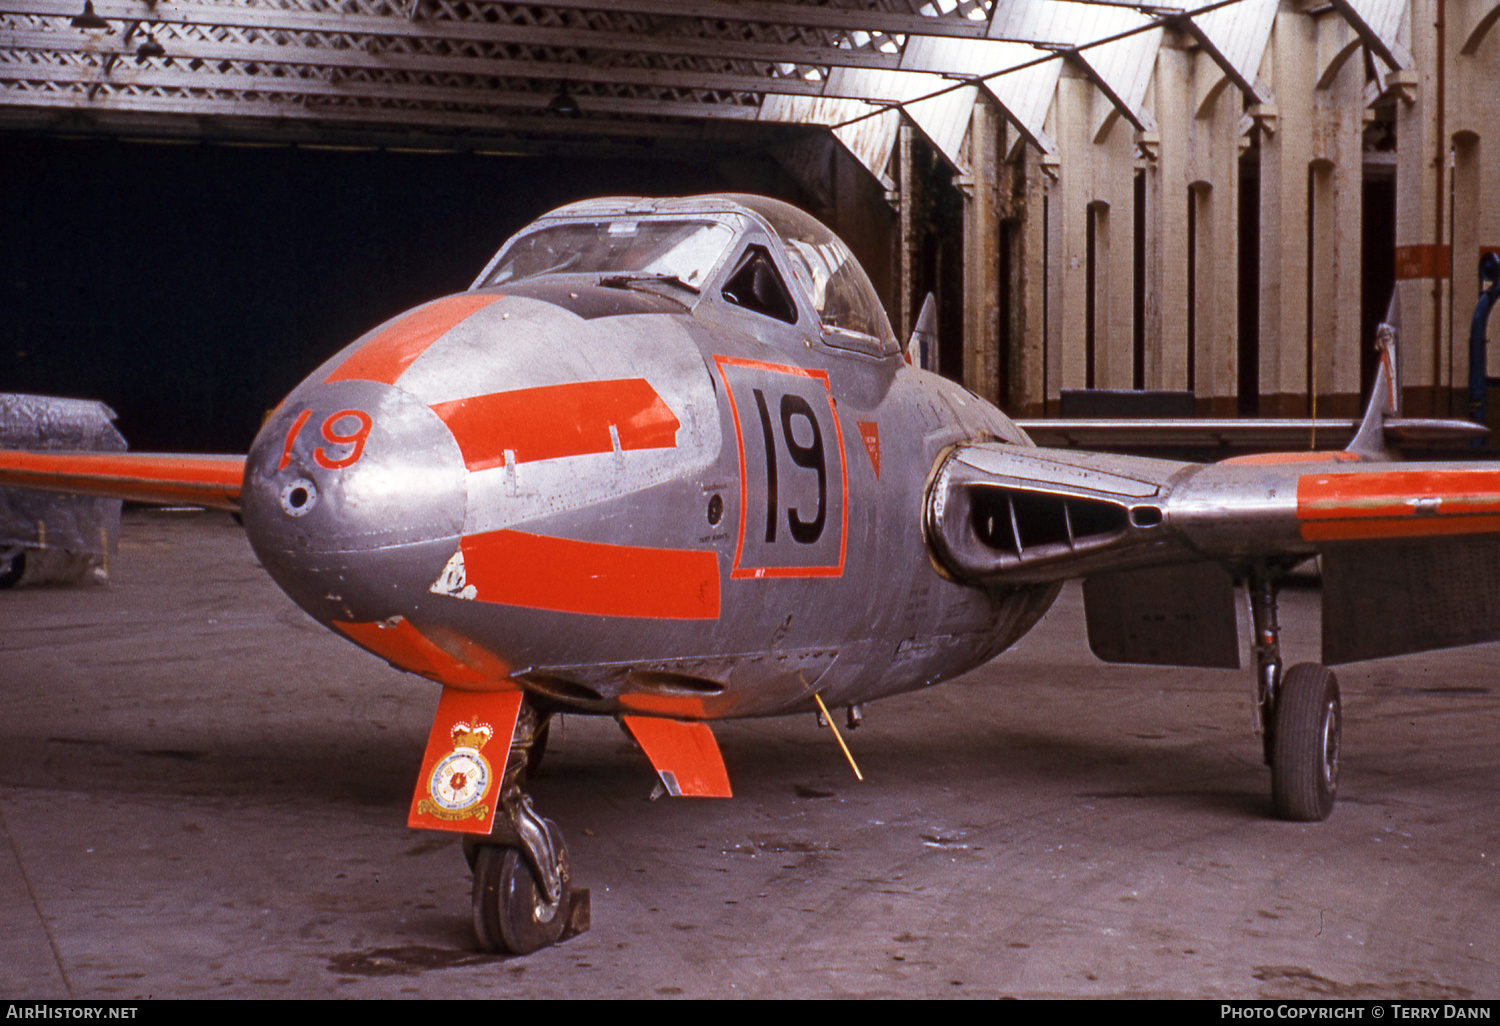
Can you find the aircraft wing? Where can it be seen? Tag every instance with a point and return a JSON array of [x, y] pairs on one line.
[[1241, 434], [1410, 552], [162, 479]]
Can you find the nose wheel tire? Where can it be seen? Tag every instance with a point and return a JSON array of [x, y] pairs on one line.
[[1305, 746], [511, 910]]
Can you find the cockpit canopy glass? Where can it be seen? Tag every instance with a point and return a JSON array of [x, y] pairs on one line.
[[685, 250], [840, 291]]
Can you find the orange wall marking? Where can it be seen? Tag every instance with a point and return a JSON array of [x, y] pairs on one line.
[[559, 420], [541, 572]]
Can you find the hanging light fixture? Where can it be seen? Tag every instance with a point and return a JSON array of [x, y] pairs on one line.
[[149, 48], [88, 19], [563, 103]]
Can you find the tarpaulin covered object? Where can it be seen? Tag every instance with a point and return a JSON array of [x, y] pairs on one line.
[[66, 536]]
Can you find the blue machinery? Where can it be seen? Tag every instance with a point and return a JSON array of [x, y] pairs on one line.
[[1479, 381]]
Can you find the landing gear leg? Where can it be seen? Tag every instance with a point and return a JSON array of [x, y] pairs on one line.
[[523, 888], [1267, 650], [1300, 716]]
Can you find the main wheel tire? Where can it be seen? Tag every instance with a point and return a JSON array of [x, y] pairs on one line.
[[11, 570], [1305, 749], [511, 911]]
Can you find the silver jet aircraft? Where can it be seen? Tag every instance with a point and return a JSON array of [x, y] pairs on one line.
[[665, 461]]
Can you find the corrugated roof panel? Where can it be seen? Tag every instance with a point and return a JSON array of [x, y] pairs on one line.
[[869, 141], [1379, 24], [1123, 68], [1032, 21], [943, 119], [1240, 32], [1057, 21], [1383, 17], [1025, 95]]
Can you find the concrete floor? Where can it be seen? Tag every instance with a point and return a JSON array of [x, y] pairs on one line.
[[204, 794]]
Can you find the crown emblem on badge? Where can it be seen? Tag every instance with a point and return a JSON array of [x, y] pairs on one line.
[[472, 735]]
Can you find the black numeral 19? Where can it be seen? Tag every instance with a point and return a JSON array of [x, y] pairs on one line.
[[809, 457]]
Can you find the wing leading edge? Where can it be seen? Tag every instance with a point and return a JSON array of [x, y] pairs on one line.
[[156, 478]]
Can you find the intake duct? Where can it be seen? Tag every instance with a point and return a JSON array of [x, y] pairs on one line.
[[1017, 523], [998, 512]]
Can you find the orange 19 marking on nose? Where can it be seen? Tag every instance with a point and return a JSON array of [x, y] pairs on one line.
[[291, 438], [356, 439]]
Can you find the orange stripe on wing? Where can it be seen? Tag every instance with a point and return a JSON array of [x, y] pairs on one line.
[[1357, 530], [385, 357], [540, 572], [212, 481], [559, 420], [1305, 456], [1398, 504]]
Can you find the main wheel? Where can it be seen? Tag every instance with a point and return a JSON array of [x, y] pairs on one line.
[[11, 570], [511, 910], [1305, 747]]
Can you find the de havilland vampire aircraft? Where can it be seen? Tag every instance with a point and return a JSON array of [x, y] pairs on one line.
[[665, 461]]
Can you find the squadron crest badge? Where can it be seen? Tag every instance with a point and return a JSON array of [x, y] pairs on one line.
[[462, 777]]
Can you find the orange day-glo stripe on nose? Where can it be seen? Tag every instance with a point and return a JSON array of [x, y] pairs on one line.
[[541, 572], [405, 647], [385, 357], [570, 419]]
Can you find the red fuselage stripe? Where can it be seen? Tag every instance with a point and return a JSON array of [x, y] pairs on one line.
[[385, 357], [545, 423], [540, 572]]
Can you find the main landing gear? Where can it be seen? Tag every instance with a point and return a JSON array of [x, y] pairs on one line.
[[1300, 715], [523, 888]]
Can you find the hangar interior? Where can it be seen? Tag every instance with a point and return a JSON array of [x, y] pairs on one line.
[[1220, 199]]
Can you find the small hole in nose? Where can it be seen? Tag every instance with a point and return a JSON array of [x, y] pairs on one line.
[[298, 498]]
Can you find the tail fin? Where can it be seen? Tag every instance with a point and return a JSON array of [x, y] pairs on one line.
[[1385, 401], [924, 336]]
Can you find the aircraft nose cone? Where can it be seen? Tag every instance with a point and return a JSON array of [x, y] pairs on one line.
[[354, 499]]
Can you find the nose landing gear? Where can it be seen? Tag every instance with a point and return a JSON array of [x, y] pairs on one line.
[[523, 888], [514, 909]]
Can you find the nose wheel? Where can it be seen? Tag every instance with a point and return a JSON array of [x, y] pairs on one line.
[[513, 912], [523, 892]]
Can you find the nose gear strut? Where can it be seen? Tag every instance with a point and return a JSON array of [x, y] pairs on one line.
[[523, 894]]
